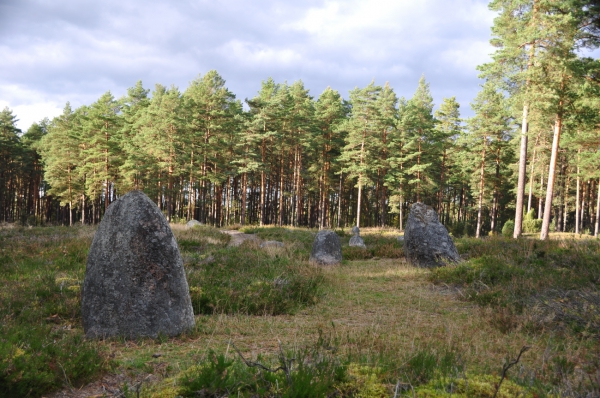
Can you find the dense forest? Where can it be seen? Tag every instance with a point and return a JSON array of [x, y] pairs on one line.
[[528, 160]]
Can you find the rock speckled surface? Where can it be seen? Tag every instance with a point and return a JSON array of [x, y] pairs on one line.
[[135, 284], [357, 241], [426, 241], [327, 249], [192, 223]]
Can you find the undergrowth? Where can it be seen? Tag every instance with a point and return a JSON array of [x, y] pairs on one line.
[[252, 280], [549, 284], [41, 347]]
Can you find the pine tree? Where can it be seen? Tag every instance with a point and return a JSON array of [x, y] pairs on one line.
[[60, 150], [10, 153], [327, 141], [418, 126], [102, 152], [362, 140]]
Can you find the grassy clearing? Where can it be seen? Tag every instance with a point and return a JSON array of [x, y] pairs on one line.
[[371, 327]]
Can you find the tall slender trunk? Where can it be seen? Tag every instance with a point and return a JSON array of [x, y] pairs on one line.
[[541, 201], [262, 185], [358, 201], [577, 201], [523, 147], [401, 214], [191, 193], [568, 184], [362, 148], [522, 175], [496, 193], [243, 194], [481, 190], [551, 176], [441, 191], [339, 209], [419, 171], [597, 211], [82, 209], [531, 182]]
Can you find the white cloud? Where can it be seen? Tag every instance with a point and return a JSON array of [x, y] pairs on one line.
[[466, 55], [53, 52], [252, 54]]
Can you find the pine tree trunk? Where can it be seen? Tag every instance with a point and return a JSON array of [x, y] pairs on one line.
[[243, 194], [262, 186], [281, 188], [522, 171], [496, 193], [577, 200], [441, 191], [339, 209], [83, 209], [481, 188], [597, 210], [531, 176], [401, 214], [551, 177], [358, 201], [541, 201]]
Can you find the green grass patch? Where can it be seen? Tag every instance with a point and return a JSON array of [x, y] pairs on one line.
[[255, 281], [552, 284], [41, 342]]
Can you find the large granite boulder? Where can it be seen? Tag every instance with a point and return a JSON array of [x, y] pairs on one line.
[[426, 241], [135, 283], [327, 249]]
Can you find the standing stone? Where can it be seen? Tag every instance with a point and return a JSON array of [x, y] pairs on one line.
[[192, 223], [271, 243], [135, 283], [327, 249], [356, 240], [426, 241]]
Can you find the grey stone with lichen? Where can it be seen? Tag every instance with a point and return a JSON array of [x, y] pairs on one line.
[[271, 243], [426, 241], [192, 223], [357, 241], [355, 230], [135, 284], [327, 249]]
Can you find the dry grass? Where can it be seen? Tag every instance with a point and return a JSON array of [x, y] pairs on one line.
[[371, 309]]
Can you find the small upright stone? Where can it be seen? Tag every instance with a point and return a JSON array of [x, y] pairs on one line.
[[135, 284], [192, 223], [271, 243], [327, 249], [357, 241], [426, 241]]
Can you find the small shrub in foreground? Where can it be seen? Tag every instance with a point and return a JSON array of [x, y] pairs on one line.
[[508, 228]]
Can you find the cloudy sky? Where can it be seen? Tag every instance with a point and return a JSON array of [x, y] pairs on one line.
[[54, 51]]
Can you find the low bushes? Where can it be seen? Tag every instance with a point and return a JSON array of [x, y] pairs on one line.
[[556, 283], [249, 279]]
